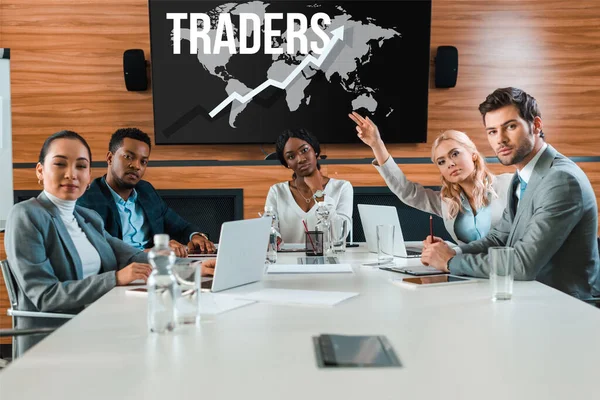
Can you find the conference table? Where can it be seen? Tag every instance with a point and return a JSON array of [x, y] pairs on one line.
[[453, 343]]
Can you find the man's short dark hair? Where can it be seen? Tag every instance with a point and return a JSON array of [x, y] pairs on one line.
[[525, 104], [298, 133], [116, 140]]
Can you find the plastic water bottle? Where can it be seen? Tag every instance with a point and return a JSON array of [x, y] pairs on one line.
[[324, 214], [272, 247], [163, 290]]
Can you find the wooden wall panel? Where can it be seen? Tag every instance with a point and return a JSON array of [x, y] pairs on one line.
[[67, 73]]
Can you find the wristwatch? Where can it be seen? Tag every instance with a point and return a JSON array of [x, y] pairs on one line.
[[318, 194]]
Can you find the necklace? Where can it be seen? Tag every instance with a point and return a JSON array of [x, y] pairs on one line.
[[298, 189]]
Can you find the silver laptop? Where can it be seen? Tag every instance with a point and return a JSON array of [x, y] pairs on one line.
[[242, 253], [371, 216]]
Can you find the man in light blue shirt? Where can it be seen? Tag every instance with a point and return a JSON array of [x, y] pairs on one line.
[[135, 231], [131, 208]]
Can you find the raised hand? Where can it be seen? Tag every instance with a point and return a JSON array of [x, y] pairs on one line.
[[369, 134], [367, 130]]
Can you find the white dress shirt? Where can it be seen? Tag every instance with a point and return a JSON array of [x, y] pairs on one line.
[[338, 193], [525, 173]]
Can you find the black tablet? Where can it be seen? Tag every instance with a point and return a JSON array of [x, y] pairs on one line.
[[335, 351]]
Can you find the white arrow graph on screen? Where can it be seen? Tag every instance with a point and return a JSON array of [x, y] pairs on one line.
[[337, 34]]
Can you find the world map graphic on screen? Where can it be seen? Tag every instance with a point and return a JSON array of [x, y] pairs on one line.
[[228, 85]]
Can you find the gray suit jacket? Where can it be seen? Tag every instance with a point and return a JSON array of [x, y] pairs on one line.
[[430, 201], [553, 230], [47, 267]]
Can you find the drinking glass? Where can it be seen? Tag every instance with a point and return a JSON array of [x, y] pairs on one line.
[[339, 231], [188, 274], [502, 264], [385, 244]]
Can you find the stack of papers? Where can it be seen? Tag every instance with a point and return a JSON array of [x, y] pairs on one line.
[[298, 297], [309, 268]]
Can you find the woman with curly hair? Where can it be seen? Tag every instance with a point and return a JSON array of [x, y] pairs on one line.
[[471, 200], [297, 200]]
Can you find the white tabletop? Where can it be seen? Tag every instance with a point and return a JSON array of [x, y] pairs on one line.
[[453, 342]]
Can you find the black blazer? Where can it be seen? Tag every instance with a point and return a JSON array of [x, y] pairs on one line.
[[159, 216]]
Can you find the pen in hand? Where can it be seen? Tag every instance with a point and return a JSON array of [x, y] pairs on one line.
[[431, 235], [431, 227]]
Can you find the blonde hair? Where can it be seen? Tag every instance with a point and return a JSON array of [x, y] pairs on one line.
[[482, 176]]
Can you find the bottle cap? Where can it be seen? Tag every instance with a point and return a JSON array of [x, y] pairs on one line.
[[161, 239]]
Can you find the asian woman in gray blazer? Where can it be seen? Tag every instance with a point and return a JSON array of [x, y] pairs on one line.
[[471, 200], [60, 254]]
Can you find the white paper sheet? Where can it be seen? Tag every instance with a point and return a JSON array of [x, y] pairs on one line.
[[216, 303], [298, 297], [309, 268], [210, 303]]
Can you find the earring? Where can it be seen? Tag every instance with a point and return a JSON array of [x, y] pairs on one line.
[[88, 186]]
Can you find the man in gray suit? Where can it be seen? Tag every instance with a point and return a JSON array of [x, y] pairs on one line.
[[551, 219]]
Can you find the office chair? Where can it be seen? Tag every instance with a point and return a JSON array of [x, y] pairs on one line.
[[21, 332], [14, 312]]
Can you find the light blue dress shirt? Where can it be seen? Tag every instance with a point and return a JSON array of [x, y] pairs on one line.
[[136, 231], [469, 227]]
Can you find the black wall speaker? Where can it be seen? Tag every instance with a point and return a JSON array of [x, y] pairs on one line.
[[134, 68], [446, 66]]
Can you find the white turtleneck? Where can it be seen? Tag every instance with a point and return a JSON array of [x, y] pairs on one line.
[[90, 259]]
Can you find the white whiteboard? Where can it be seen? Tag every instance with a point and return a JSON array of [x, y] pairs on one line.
[[6, 167]]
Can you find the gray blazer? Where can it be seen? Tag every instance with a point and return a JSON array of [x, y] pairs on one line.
[[553, 230], [430, 201], [47, 267]]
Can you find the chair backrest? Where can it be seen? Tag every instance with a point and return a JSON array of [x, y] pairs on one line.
[[9, 282]]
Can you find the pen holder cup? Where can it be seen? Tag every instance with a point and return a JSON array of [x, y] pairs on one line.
[[314, 243]]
